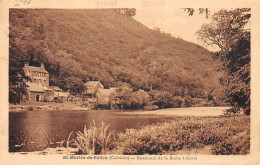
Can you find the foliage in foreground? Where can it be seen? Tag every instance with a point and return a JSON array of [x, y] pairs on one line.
[[94, 140], [225, 134], [230, 31]]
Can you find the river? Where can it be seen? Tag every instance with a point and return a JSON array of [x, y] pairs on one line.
[[37, 130]]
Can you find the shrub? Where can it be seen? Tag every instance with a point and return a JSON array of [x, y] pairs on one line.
[[178, 101], [187, 133], [226, 134], [94, 140], [238, 145]]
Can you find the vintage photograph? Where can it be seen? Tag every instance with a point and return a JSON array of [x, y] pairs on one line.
[[127, 81]]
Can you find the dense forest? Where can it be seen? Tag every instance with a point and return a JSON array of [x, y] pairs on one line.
[[106, 45]]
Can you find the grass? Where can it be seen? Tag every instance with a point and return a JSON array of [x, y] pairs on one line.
[[222, 135], [94, 140]]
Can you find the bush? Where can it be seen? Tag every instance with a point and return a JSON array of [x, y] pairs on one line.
[[162, 99], [187, 133], [94, 140], [178, 101], [226, 135], [238, 145]]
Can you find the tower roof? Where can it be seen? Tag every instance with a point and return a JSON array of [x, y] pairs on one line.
[[37, 69]]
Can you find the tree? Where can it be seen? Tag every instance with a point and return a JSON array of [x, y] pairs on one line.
[[121, 98], [17, 78], [162, 99], [191, 11], [127, 11], [139, 99], [226, 29], [229, 30]]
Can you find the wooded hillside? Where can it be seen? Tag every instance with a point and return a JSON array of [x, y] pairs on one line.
[[104, 45]]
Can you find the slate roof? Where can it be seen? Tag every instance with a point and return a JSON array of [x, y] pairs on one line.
[[34, 87], [92, 83], [55, 88], [107, 92], [37, 69]]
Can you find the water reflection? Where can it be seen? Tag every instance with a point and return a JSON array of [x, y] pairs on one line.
[[37, 130]]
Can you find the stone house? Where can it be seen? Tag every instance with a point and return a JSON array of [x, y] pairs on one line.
[[103, 95], [35, 92], [37, 75], [57, 91], [38, 88], [92, 87], [49, 94], [38, 85]]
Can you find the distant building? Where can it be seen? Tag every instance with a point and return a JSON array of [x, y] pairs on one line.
[[49, 95], [103, 95], [92, 87], [57, 91]]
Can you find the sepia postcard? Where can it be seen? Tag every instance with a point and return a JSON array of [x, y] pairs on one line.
[[140, 82]]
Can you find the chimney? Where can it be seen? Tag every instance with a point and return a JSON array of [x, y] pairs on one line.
[[42, 66], [26, 64]]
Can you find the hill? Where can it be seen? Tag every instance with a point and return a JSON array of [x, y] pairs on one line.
[[80, 45]]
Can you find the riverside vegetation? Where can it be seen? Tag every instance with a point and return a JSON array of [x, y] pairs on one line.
[[224, 135], [82, 45]]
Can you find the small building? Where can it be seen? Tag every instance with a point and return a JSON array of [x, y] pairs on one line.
[[64, 95], [35, 92], [92, 87], [49, 94], [59, 93], [103, 95], [56, 90]]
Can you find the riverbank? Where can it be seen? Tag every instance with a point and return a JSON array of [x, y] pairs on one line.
[[29, 106], [187, 111], [222, 135]]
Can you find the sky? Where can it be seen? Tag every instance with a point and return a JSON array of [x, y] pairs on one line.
[[175, 21]]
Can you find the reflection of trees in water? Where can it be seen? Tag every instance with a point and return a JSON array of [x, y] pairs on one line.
[[37, 130]]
